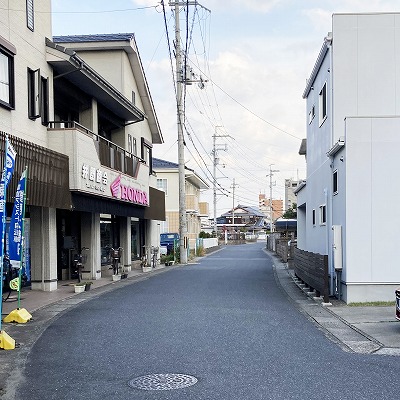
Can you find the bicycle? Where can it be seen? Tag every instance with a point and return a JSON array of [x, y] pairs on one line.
[[79, 260], [9, 274]]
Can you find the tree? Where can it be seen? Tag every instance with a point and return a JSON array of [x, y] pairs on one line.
[[291, 213]]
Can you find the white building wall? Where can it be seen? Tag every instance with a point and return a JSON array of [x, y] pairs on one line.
[[372, 236], [366, 73]]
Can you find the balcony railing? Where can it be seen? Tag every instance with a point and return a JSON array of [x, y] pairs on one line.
[[110, 154]]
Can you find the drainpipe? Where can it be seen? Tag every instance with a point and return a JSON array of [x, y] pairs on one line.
[[328, 41]]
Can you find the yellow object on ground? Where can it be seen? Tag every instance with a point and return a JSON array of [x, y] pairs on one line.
[[6, 341], [19, 315]]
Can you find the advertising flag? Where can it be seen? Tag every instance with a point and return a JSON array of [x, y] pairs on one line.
[[16, 223], [8, 170]]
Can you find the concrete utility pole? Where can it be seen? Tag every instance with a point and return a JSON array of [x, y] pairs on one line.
[[271, 173], [215, 163], [181, 79], [180, 75], [233, 202]]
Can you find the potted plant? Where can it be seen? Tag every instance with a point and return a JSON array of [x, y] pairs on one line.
[[79, 287], [87, 286]]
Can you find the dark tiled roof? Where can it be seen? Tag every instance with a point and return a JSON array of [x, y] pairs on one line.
[[158, 163], [107, 37]]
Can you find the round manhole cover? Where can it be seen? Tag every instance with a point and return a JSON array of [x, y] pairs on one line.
[[162, 381]]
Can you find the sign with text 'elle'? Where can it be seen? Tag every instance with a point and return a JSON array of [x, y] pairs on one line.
[[128, 193]]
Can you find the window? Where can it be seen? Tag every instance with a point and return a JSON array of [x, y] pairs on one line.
[[44, 101], [38, 96], [132, 148], [162, 184], [322, 105], [147, 149], [335, 182], [34, 89], [30, 15], [7, 75], [313, 218], [311, 114], [322, 215]]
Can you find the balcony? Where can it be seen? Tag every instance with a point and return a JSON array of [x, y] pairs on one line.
[[109, 154]]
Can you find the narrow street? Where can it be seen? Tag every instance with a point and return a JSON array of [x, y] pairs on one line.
[[224, 324]]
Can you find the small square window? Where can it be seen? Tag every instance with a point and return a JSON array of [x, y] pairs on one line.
[[322, 215], [335, 182], [162, 184]]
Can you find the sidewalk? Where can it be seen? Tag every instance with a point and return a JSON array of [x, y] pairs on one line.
[[367, 330], [33, 300]]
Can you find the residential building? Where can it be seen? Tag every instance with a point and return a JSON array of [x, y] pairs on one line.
[[87, 142], [264, 205], [352, 147], [290, 196], [243, 217], [167, 173]]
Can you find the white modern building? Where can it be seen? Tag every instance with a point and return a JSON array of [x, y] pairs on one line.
[[346, 206]]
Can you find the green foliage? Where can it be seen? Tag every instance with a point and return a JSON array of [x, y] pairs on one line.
[[204, 235], [200, 252], [291, 213]]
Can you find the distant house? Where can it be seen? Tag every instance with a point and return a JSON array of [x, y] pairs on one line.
[[168, 181], [243, 217], [352, 151]]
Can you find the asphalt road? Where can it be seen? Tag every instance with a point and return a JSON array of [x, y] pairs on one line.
[[224, 321]]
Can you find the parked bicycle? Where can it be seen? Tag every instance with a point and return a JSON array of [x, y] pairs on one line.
[[9, 274], [78, 261]]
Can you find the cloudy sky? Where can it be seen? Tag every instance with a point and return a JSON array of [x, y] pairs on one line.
[[256, 56]]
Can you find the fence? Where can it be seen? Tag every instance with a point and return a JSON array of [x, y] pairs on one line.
[[312, 269]]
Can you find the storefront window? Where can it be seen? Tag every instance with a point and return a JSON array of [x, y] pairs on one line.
[[135, 242], [105, 240]]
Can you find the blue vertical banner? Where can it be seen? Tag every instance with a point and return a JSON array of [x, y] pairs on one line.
[[9, 164], [16, 223]]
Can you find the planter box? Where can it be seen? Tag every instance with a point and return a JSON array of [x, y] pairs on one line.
[[116, 277], [79, 288], [147, 269]]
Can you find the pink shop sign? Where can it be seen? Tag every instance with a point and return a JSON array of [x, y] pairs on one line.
[[127, 193]]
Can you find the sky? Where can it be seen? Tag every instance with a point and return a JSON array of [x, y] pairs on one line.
[[255, 56]]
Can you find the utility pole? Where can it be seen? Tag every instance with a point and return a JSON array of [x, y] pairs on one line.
[[180, 76], [271, 173], [233, 202], [182, 79], [215, 163]]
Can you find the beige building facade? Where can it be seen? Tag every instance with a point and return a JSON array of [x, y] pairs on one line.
[[168, 181], [79, 113]]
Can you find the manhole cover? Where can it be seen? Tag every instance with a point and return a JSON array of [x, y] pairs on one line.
[[162, 381]]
